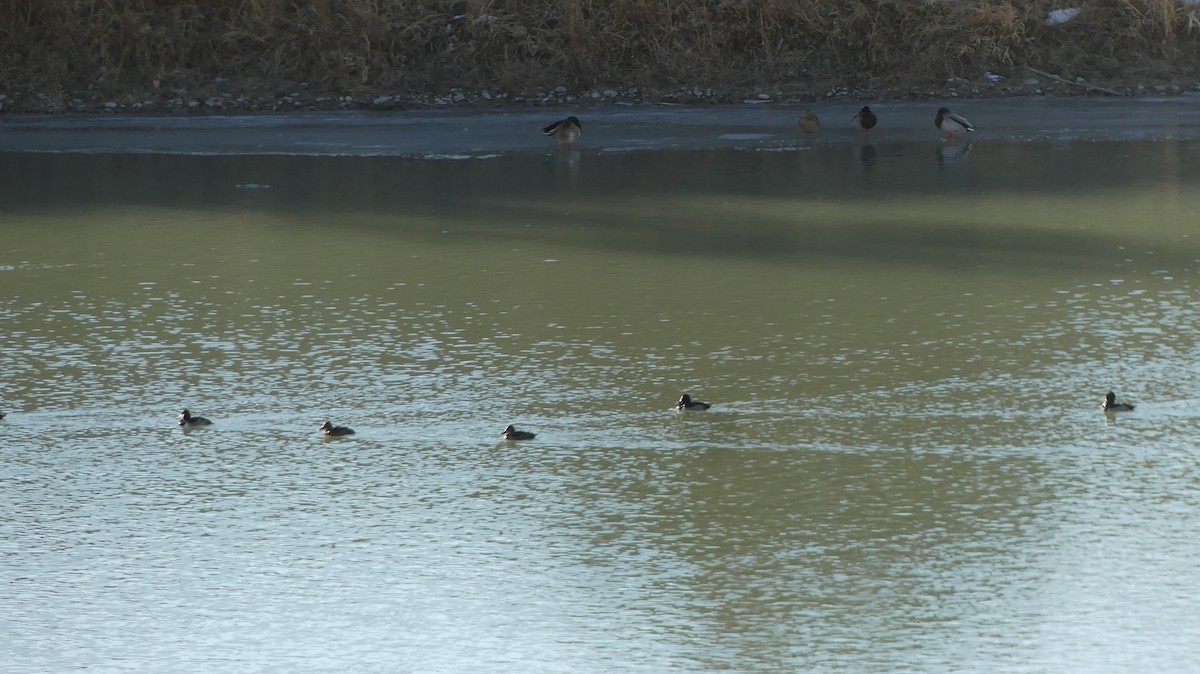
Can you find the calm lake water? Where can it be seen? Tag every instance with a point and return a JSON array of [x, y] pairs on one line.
[[905, 344]]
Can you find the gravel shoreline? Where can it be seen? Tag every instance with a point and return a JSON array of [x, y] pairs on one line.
[[222, 97]]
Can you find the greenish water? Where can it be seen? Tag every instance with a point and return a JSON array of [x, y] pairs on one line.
[[905, 468]]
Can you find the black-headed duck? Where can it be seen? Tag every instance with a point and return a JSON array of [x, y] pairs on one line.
[[865, 120], [1110, 404], [186, 420], [686, 404], [511, 433], [336, 431]]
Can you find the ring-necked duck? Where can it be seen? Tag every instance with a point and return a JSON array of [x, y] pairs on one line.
[[511, 433], [686, 404], [334, 431], [809, 123], [1110, 404], [564, 131], [186, 420], [951, 123], [865, 120]]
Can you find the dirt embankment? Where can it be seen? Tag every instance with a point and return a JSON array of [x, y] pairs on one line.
[[248, 55]]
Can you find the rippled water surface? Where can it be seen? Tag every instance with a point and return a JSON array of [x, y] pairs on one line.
[[905, 467]]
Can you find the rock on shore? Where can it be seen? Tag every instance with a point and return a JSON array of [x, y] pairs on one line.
[[222, 97]]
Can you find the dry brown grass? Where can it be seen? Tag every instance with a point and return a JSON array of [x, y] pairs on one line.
[[432, 45]]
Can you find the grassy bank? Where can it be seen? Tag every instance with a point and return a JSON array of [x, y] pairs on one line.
[[54, 52]]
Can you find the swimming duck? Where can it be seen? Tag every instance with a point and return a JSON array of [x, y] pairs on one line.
[[511, 433], [809, 123], [334, 431], [951, 123], [186, 420], [1, 416], [865, 120], [1110, 404], [564, 131], [686, 404]]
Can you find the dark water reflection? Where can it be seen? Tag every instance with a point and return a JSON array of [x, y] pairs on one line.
[[376, 182], [905, 469], [753, 203]]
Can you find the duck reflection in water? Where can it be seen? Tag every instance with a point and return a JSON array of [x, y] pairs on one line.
[[951, 153], [868, 155], [567, 160]]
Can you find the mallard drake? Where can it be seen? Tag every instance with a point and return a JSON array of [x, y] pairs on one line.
[[809, 123], [1110, 404], [511, 433], [951, 123], [686, 404], [335, 431], [186, 420], [564, 131], [865, 120]]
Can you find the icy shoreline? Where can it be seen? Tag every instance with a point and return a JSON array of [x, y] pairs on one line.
[[453, 134]]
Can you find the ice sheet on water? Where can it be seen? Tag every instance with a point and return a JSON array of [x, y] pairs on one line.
[[464, 135]]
